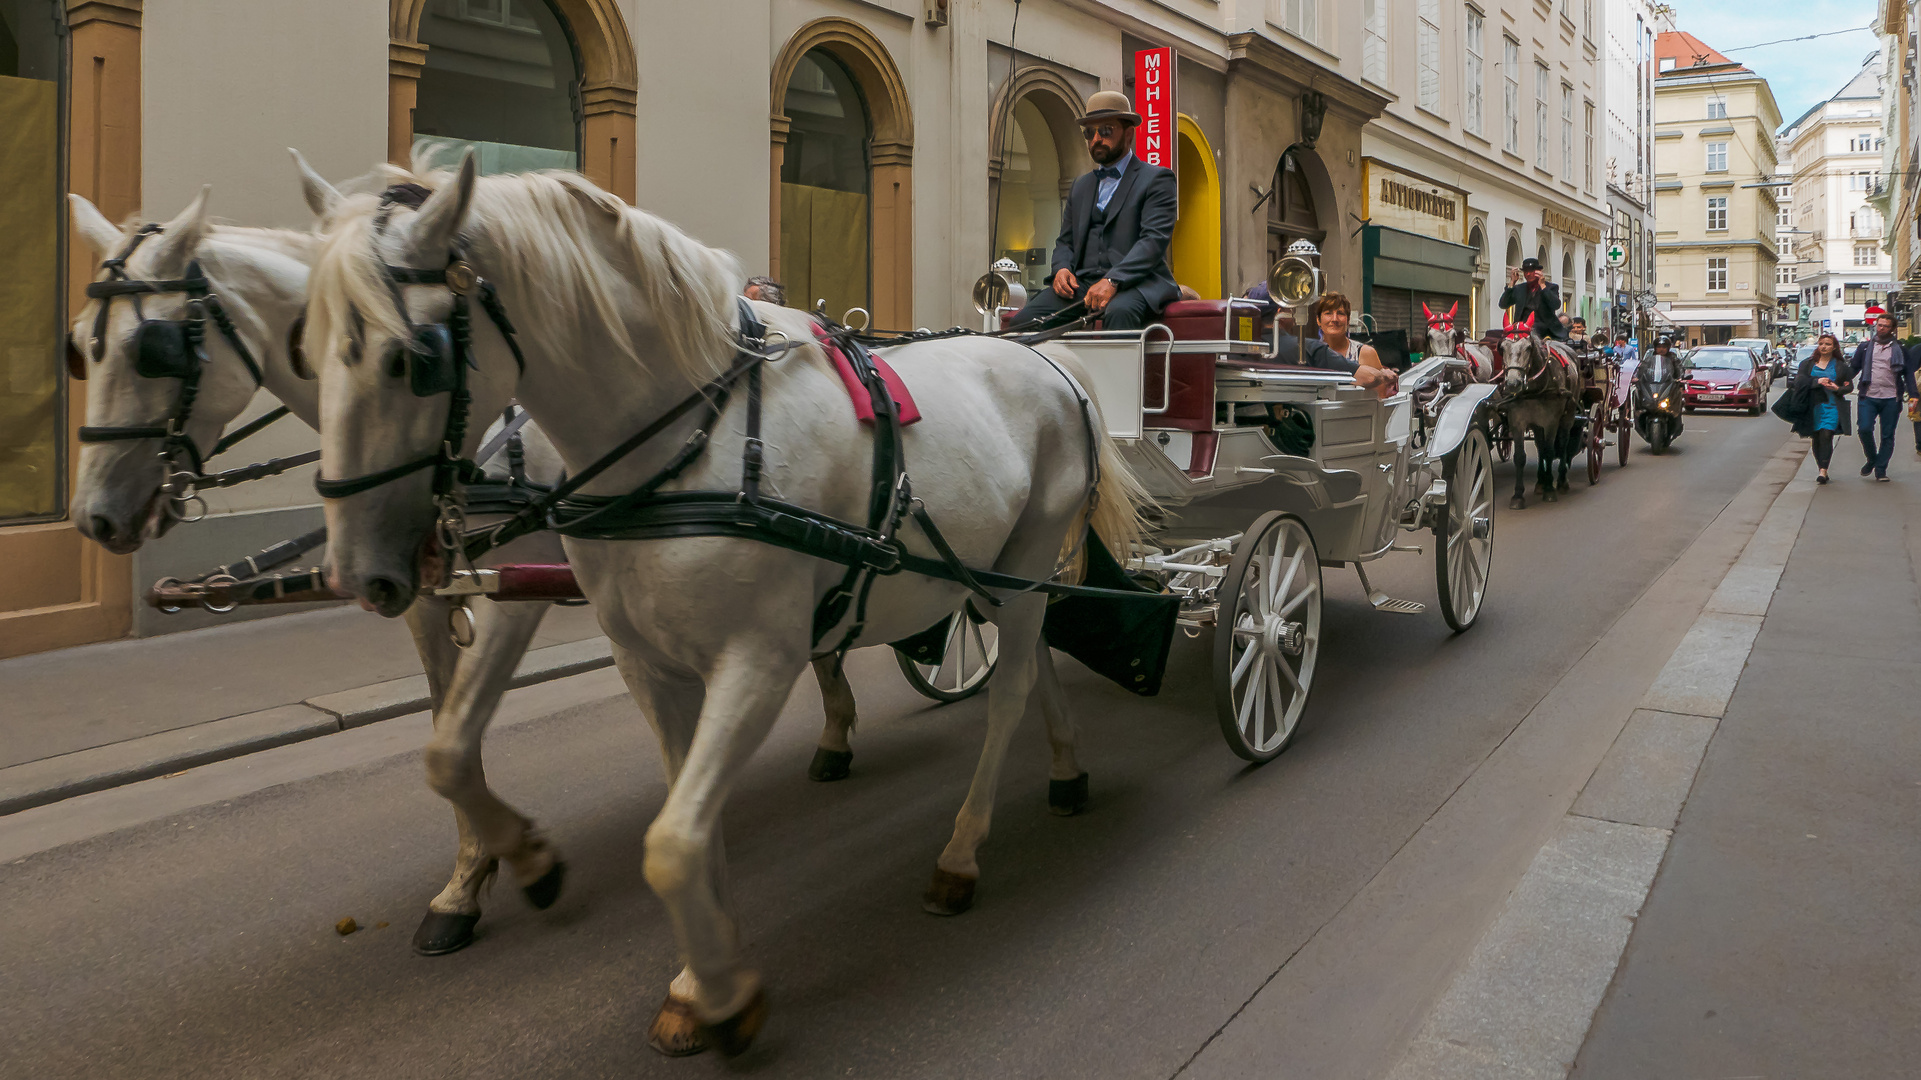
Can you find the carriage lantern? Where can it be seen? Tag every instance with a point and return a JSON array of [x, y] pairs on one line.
[[1296, 280], [991, 291]]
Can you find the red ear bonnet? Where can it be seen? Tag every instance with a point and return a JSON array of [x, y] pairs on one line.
[[1450, 311]]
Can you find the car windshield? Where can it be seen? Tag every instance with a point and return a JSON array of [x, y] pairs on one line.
[[1723, 359]]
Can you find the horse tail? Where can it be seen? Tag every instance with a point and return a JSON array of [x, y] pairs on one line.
[[1114, 507]]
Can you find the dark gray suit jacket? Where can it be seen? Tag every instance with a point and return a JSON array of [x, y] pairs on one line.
[[1140, 223]]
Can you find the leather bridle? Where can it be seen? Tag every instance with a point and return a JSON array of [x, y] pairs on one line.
[[437, 356], [174, 349]]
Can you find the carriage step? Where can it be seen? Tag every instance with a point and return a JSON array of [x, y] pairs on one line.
[[1384, 602]]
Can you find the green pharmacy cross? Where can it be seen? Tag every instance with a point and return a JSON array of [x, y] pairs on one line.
[[1617, 254]]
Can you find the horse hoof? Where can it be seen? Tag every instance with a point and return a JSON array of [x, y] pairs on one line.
[[440, 933], [676, 1031], [829, 764], [1517, 503], [543, 892], [1066, 798], [948, 894], [1550, 496], [735, 1034]]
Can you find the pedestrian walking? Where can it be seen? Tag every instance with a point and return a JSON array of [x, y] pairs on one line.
[[1885, 375], [1817, 399]]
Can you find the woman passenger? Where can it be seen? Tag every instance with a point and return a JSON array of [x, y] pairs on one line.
[[1332, 313], [1826, 377]]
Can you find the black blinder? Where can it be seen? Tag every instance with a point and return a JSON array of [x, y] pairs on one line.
[[161, 350], [296, 353], [430, 360], [76, 360]]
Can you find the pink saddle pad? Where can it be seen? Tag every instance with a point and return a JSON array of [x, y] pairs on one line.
[[857, 393]]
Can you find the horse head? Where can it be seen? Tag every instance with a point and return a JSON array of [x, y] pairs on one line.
[[161, 377], [1519, 353]]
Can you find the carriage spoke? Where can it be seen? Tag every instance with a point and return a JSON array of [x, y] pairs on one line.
[[1256, 687], [1299, 599], [1293, 568], [1246, 661], [1287, 670]]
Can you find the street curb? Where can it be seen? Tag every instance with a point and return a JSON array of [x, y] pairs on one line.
[[49, 780]]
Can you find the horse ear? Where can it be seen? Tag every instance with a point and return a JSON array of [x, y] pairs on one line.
[[94, 228], [175, 245], [442, 215], [321, 196]]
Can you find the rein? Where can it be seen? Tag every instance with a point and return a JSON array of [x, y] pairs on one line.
[[166, 349]]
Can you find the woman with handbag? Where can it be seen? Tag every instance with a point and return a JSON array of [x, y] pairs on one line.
[[1822, 383]]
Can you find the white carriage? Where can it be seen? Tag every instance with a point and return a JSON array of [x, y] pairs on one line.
[[1202, 406]]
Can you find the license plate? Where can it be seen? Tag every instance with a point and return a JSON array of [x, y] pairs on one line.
[[1714, 397]]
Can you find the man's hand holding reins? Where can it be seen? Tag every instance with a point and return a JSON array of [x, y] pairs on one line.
[[1099, 294], [1065, 283]]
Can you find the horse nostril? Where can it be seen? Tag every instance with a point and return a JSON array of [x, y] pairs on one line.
[[102, 529], [386, 595]]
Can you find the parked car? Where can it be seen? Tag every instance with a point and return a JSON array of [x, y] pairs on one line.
[[1726, 377]]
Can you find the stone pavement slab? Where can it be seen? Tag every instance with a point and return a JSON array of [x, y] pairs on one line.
[[1781, 937], [1646, 774]]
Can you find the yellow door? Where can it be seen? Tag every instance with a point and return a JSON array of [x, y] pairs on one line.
[[1196, 251]]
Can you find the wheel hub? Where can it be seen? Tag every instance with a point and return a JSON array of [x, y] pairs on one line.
[[1280, 635], [1483, 528]]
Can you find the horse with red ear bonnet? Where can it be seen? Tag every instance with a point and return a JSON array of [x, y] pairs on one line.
[[1446, 339], [1540, 392]]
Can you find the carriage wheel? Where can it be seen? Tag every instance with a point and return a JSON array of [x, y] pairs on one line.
[[1464, 534], [1266, 636], [1623, 428], [1596, 433], [967, 660], [1503, 443]]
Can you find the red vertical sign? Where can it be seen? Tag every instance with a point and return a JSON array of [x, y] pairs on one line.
[[1154, 100]]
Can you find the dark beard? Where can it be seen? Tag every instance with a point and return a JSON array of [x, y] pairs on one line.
[[1117, 153]]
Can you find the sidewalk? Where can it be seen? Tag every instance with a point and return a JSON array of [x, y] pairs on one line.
[[1783, 934], [87, 718]]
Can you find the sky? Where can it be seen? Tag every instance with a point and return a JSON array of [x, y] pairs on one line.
[[1800, 73]]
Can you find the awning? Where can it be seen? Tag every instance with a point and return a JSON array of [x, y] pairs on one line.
[[1710, 316]]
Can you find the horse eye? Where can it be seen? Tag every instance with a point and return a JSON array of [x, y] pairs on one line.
[[396, 361]]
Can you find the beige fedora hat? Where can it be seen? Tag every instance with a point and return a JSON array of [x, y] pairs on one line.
[[1110, 105]]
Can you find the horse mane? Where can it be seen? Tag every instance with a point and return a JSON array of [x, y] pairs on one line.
[[562, 246]]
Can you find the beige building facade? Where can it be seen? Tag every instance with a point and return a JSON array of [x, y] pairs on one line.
[[1715, 209], [1835, 149], [871, 153], [1495, 127]]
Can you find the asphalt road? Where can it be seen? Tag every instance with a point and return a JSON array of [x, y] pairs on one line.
[[1114, 944]]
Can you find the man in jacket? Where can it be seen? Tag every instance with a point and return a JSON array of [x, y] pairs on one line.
[[1535, 297], [1112, 251], [1884, 376]]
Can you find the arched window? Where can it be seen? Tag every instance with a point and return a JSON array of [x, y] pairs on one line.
[[1291, 213], [502, 76], [1031, 187], [1567, 274], [825, 181], [1513, 253]]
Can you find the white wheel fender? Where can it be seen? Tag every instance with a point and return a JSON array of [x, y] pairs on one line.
[[1457, 416]]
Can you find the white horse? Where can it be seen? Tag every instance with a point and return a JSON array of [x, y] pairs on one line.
[[261, 276], [623, 316]]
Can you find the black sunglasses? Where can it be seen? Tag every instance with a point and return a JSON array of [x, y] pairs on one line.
[[1105, 131]]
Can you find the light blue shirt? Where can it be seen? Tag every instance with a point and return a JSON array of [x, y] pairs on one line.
[[1109, 184]]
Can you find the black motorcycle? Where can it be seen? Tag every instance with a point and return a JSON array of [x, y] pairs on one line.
[[1658, 399]]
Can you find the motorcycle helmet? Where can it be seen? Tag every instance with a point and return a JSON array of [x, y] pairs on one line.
[[1664, 341]]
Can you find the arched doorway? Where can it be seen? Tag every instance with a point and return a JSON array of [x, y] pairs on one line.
[[545, 80], [502, 77], [1477, 239], [1195, 255], [1036, 154], [840, 59], [1292, 213], [825, 188]]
